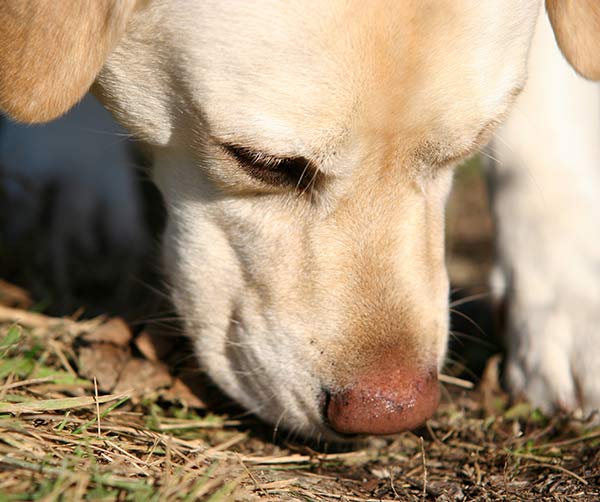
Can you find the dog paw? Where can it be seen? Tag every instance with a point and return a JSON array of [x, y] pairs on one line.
[[554, 357]]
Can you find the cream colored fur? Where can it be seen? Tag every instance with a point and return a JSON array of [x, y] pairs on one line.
[[547, 208], [286, 292]]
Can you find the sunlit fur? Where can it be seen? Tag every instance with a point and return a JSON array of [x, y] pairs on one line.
[[283, 293], [547, 208]]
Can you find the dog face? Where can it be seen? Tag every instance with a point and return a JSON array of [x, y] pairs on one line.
[[306, 172], [305, 151]]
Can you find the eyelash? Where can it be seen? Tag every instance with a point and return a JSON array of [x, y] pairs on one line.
[[295, 172]]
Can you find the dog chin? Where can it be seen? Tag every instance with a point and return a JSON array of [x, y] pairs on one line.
[[265, 381]]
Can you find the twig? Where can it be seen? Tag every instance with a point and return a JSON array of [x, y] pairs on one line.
[[26, 383], [66, 403], [135, 460], [291, 459], [558, 468], [62, 358], [250, 475], [225, 445], [424, 493], [569, 442], [392, 484], [311, 495], [457, 382], [35, 320], [432, 434], [97, 407], [7, 385]]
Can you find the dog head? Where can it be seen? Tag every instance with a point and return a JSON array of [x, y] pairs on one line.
[[305, 151]]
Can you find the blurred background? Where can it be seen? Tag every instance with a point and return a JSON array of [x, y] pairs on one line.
[[80, 225], [79, 218]]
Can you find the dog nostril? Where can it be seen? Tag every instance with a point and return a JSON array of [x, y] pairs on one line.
[[323, 402], [384, 402]]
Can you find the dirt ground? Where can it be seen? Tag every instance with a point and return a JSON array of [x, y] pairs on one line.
[[91, 410]]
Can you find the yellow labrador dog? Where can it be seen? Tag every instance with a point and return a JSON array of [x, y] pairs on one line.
[[305, 150]]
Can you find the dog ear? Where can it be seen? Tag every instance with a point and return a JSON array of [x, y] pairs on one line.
[[51, 52], [576, 26]]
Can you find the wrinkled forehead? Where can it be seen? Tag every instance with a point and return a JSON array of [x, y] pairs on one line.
[[308, 72]]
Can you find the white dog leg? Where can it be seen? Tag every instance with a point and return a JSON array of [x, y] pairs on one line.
[[546, 200]]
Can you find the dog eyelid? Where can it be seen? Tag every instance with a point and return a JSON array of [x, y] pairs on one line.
[[293, 172]]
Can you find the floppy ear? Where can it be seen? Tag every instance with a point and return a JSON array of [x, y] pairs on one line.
[[576, 26], [52, 50]]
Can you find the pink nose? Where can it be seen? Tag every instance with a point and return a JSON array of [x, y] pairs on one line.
[[385, 402]]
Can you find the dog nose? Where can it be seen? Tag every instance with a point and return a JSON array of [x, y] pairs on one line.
[[384, 402]]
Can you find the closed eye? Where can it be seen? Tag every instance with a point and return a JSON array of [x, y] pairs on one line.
[[293, 172]]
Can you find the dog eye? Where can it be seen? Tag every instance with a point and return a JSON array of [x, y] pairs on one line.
[[295, 172]]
